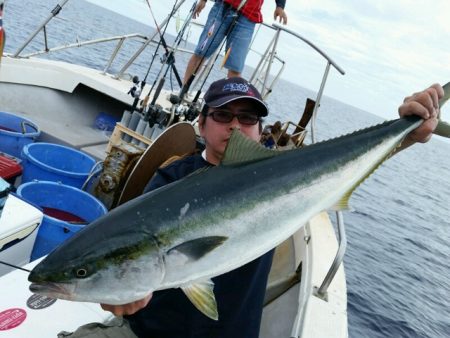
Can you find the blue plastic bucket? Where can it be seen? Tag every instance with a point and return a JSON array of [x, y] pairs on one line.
[[53, 162], [74, 209], [15, 133]]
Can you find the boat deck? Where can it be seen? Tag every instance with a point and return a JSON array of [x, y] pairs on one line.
[[64, 105]]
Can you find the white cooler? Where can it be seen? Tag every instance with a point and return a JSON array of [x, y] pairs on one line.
[[24, 314], [19, 224]]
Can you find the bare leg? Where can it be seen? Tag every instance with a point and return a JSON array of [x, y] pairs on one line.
[[193, 64]]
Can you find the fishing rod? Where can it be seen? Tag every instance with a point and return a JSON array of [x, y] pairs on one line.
[[149, 114], [181, 33], [154, 112], [55, 11], [188, 83], [135, 91], [162, 41], [169, 59]]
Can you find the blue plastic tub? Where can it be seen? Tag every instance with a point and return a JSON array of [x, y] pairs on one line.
[[66, 211], [105, 121], [52, 162], [15, 133]]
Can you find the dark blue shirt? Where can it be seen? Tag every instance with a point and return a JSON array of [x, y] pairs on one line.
[[239, 293]]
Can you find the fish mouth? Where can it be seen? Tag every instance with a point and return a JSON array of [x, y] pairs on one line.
[[53, 290]]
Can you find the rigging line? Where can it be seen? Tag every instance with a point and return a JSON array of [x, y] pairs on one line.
[[14, 266]]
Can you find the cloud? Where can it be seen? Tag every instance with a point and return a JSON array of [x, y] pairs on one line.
[[395, 46]]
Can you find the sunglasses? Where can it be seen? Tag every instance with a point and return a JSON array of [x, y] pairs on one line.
[[223, 116]]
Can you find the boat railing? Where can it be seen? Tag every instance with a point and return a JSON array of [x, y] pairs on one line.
[[329, 63], [264, 69], [321, 292], [145, 42], [120, 41], [55, 11]]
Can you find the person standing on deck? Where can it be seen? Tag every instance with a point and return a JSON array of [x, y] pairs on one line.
[[218, 24]]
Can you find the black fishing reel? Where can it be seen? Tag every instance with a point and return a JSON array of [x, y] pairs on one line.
[[175, 99], [168, 58], [136, 90], [155, 115], [186, 113], [192, 112]]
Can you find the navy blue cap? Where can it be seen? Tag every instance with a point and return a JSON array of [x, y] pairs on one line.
[[224, 91]]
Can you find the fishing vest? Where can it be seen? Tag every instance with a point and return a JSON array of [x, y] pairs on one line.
[[251, 10]]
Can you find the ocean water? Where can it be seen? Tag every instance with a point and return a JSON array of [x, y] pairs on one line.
[[398, 257]]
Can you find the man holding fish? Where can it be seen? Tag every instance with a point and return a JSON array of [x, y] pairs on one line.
[[230, 305]]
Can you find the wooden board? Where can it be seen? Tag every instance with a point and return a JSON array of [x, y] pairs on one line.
[[119, 130], [178, 139]]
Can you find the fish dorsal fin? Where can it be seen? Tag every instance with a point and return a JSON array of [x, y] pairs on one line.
[[241, 149], [196, 248], [202, 297]]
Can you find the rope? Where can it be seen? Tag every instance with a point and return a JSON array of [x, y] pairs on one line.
[[14, 266]]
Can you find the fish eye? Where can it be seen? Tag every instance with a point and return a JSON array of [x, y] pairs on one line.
[[81, 273]]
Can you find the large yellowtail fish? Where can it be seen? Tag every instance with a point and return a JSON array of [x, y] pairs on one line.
[[213, 221]]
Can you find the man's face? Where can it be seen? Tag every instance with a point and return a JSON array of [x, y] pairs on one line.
[[217, 134]]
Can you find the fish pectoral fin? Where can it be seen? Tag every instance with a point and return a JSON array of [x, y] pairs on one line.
[[202, 297], [197, 248], [240, 149]]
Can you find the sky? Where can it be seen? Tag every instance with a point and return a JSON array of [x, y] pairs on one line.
[[388, 49]]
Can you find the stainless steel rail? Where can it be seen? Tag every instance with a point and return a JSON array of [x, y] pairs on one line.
[[121, 38], [321, 292], [146, 41], [54, 13], [330, 63]]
